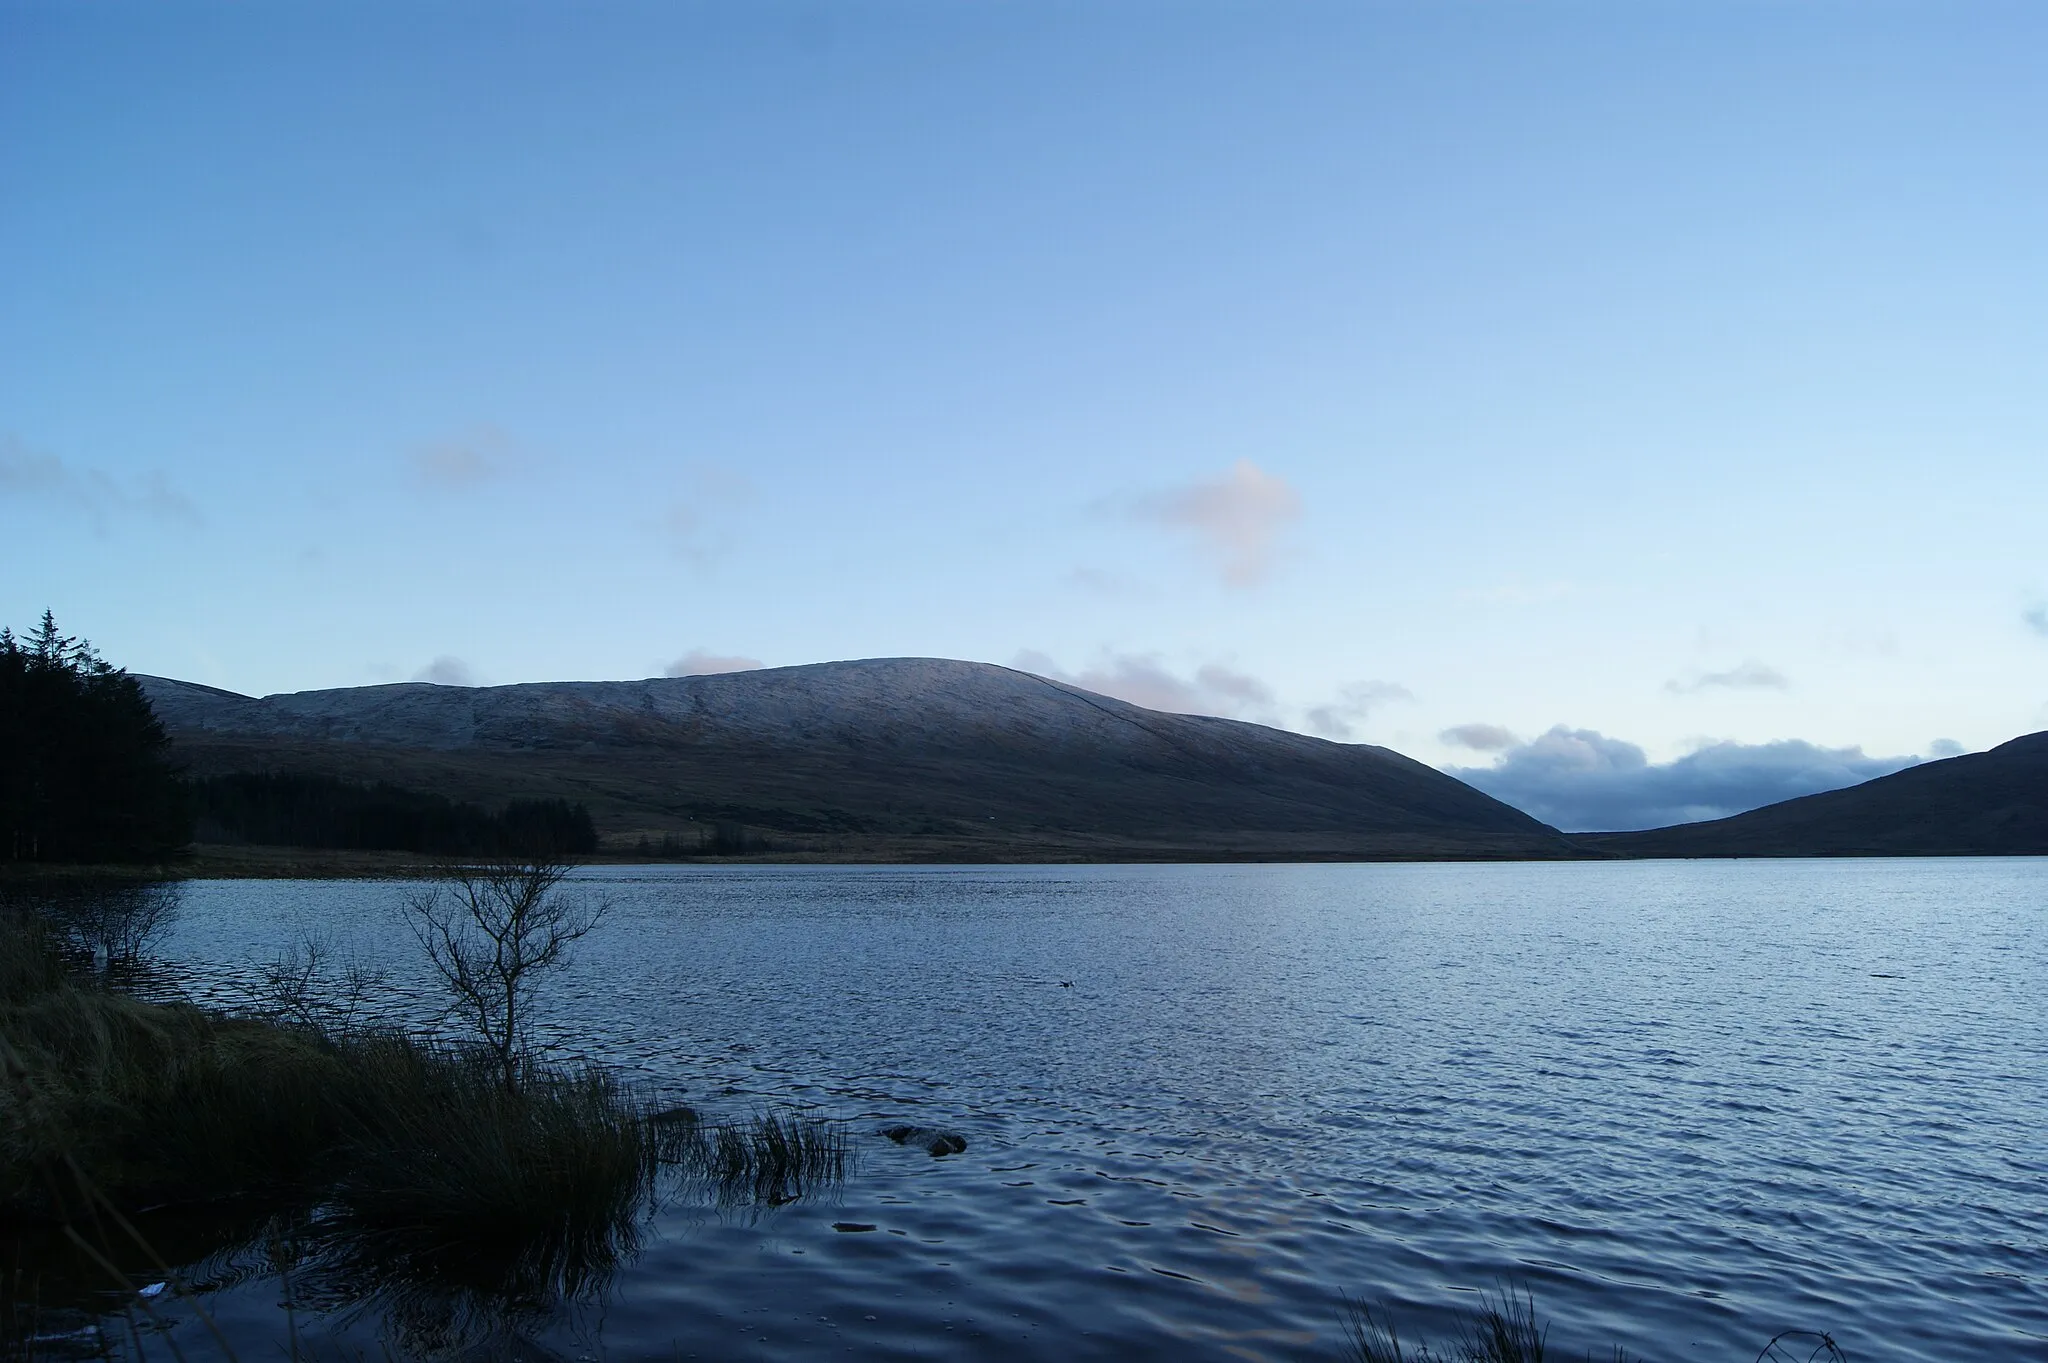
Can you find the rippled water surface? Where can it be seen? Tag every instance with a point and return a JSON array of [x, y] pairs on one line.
[[1688, 1104]]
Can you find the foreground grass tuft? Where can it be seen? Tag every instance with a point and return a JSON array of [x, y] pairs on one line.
[[770, 1158], [1505, 1330], [148, 1102]]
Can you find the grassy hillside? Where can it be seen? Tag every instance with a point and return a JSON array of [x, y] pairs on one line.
[[1984, 804], [888, 759]]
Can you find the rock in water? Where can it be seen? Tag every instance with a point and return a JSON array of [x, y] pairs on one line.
[[927, 1138]]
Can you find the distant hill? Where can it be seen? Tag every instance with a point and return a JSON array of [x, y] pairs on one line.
[[1987, 804], [907, 758]]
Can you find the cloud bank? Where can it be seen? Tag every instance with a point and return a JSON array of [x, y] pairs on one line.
[[1236, 519], [700, 663], [1142, 680], [1580, 780]]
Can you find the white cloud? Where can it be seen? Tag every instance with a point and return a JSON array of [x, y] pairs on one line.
[[95, 493], [1237, 519], [1338, 718], [700, 663], [447, 671], [1748, 675]]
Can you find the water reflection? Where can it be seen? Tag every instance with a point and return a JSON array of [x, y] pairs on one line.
[[423, 1288], [107, 927], [433, 1293]]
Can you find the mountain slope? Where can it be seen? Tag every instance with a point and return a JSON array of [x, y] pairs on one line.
[[885, 758], [1990, 804]]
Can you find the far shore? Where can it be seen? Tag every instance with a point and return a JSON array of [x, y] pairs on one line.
[[223, 861], [235, 861]]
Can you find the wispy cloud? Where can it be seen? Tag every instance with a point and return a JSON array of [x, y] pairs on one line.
[[2036, 619], [1580, 779], [1236, 519], [688, 523], [467, 461], [28, 476], [1142, 680], [701, 663], [1748, 675], [1479, 737], [447, 671], [1339, 718]]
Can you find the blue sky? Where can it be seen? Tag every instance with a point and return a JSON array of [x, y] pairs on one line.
[[1412, 374]]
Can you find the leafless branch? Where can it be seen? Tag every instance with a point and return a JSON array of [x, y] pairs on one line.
[[488, 931]]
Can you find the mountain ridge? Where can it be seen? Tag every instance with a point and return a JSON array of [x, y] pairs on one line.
[[927, 756], [1992, 803], [935, 759]]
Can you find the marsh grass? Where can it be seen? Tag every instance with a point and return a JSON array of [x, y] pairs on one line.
[[391, 1166], [142, 1098], [770, 1158], [450, 1175], [404, 1168], [1505, 1330]]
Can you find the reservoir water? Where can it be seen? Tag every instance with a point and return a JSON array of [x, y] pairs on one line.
[[1688, 1105]]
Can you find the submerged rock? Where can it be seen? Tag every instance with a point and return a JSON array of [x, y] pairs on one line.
[[927, 1138]]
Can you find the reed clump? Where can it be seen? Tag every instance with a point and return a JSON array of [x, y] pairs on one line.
[[143, 1098], [151, 1102], [1505, 1330], [772, 1158], [1502, 1330], [433, 1136]]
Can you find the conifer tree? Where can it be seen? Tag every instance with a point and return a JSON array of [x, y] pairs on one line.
[[85, 769]]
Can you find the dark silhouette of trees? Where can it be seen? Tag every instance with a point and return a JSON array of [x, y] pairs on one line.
[[85, 769], [295, 809]]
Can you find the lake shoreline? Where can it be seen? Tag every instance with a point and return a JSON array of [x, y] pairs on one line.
[[218, 861]]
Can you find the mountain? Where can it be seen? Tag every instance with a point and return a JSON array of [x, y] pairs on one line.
[[887, 759], [1984, 804]]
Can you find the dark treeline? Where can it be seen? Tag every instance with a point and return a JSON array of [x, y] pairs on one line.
[[85, 769], [297, 810], [721, 839]]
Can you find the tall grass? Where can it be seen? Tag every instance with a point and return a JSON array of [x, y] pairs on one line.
[[422, 1155], [771, 1158], [449, 1174], [398, 1165], [1505, 1330], [1502, 1330], [148, 1100]]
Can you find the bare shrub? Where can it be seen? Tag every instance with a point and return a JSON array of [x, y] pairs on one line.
[[490, 932], [317, 987]]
